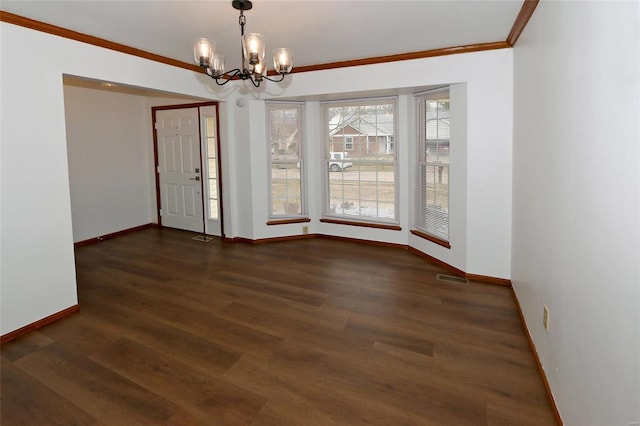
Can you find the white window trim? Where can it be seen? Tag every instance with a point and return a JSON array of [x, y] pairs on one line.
[[420, 133], [301, 106], [326, 210]]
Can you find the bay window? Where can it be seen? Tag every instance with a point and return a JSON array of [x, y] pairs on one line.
[[360, 160]]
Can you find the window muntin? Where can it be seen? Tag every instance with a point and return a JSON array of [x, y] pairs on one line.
[[285, 138], [432, 166], [360, 160], [212, 162]]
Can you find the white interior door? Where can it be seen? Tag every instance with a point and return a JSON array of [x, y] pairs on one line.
[[179, 169]]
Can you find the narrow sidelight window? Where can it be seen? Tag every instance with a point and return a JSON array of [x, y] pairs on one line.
[[212, 163], [432, 164], [286, 171]]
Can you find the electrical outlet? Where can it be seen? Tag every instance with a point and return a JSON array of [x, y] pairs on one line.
[[305, 230], [545, 318]]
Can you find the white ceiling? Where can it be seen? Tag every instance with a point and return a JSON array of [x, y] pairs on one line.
[[317, 31]]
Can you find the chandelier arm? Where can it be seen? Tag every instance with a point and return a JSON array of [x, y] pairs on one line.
[[231, 74], [256, 84], [282, 75], [226, 77], [224, 81]]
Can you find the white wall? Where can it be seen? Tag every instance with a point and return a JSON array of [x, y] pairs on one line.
[[576, 212], [109, 165], [37, 274]]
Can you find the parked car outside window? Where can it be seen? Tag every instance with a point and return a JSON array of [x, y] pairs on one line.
[[338, 161]]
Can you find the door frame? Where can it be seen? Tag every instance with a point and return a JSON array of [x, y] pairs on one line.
[[156, 162]]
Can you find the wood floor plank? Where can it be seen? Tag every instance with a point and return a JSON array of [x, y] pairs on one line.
[[322, 338], [149, 293], [198, 322], [302, 332], [99, 391], [452, 334], [79, 334], [501, 385], [29, 402], [318, 315], [272, 288], [313, 275], [186, 347], [391, 335], [208, 397], [271, 415], [286, 398], [293, 396], [506, 412], [27, 344], [431, 402]]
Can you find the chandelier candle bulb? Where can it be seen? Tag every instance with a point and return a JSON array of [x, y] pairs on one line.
[[259, 70], [217, 65], [254, 47], [282, 60], [203, 50]]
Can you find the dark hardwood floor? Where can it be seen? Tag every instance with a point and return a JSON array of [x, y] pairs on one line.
[[304, 332]]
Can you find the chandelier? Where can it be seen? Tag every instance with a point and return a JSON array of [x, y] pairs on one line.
[[254, 67]]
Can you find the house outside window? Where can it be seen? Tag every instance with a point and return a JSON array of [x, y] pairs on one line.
[[432, 164], [286, 171], [360, 160]]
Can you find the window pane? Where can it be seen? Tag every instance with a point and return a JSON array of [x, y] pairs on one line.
[[213, 208], [213, 189], [211, 147], [212, 164], [213, 168], [284, 138], [432, 177], [360, 159]]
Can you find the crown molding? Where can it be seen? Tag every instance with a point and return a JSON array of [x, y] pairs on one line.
[[405, 56], [523, 17], [521, 21], [10, 18]]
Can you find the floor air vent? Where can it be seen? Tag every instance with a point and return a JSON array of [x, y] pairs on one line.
[[203, 238], [453, 279]]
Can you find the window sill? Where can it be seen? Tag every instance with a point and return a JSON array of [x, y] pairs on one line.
[[364, 224], [431, 238], [287, 221]]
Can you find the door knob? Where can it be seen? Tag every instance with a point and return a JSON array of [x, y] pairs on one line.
[[195, 178]]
